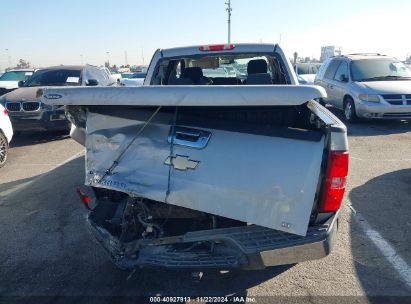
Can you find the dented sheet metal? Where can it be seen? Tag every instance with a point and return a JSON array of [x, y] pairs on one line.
[[268, 181], [263, 95]]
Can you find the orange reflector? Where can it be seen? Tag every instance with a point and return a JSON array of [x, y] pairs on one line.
[[85, 199]]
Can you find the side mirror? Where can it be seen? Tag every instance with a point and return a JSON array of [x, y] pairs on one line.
[[20, 83], [343, 78], [91, 82]]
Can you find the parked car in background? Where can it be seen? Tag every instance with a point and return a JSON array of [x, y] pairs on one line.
[[306, 72], [126, 75], [134, 80], [107, 74], [24, 105], [112, 76], [6, 133], [9, 81], [367, 86], [116, 77]]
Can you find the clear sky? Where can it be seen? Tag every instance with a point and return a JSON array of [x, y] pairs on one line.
[[48, 32]]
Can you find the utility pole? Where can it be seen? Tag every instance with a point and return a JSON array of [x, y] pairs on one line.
[[8, 58], [229, 10], [142, 55], [108, 59]]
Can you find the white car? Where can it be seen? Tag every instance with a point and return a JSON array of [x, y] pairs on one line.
[[9, 81], [367, 85], [6, 133], [115, 78], [132, 79]]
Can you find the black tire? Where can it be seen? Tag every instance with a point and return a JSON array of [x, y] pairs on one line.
[[349, 111], [4, 148]]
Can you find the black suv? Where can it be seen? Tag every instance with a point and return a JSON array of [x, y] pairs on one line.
[[26, 110]]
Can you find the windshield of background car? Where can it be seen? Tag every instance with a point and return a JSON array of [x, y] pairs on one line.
[[126, 75], [61, 77], [370, 69], [138, 75], [16, 76], [303, 69]]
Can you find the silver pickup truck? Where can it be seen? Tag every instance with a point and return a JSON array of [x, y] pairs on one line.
[[220, 160]]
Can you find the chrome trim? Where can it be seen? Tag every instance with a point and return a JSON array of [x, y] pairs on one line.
[[304, 252], [182, 163], [188, 137], [21, 106], [397, 99], [32, 102], [13, 102]]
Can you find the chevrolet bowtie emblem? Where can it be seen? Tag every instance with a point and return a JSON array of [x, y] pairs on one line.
[[181, 162]]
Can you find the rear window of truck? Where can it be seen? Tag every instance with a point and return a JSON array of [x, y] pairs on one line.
[[236, 69]]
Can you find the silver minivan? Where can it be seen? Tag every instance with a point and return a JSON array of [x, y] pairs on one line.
[[367, 86]]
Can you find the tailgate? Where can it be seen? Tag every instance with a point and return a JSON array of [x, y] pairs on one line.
[[260, 176]]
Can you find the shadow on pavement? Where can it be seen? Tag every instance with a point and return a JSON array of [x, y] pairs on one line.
[[32, 138], [372, 127], [11, 185], [47, 250], [384, 203]]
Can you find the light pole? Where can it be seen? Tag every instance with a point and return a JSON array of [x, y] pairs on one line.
[[229, 10], [8, 58], [108, 59], [82, 61]]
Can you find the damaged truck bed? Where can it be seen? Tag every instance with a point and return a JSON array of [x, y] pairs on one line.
[[190, 176]]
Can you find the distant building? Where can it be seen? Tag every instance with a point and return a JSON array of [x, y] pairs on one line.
[[330, 51]]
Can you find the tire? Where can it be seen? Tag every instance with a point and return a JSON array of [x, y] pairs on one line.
[[4, 148], [349, 111]]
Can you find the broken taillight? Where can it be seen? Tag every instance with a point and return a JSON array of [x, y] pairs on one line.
[[335, 181], [216, 47], [85, 199]]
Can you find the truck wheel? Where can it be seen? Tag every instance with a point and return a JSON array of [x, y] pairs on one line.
[[4, 147], [349, 110]]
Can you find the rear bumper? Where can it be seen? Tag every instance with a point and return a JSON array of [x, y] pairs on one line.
[[39, 120], [249, 247]]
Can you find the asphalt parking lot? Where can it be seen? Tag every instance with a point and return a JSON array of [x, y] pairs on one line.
[[47, 251]]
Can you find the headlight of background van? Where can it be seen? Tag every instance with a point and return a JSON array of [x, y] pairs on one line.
[[369, 97]]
